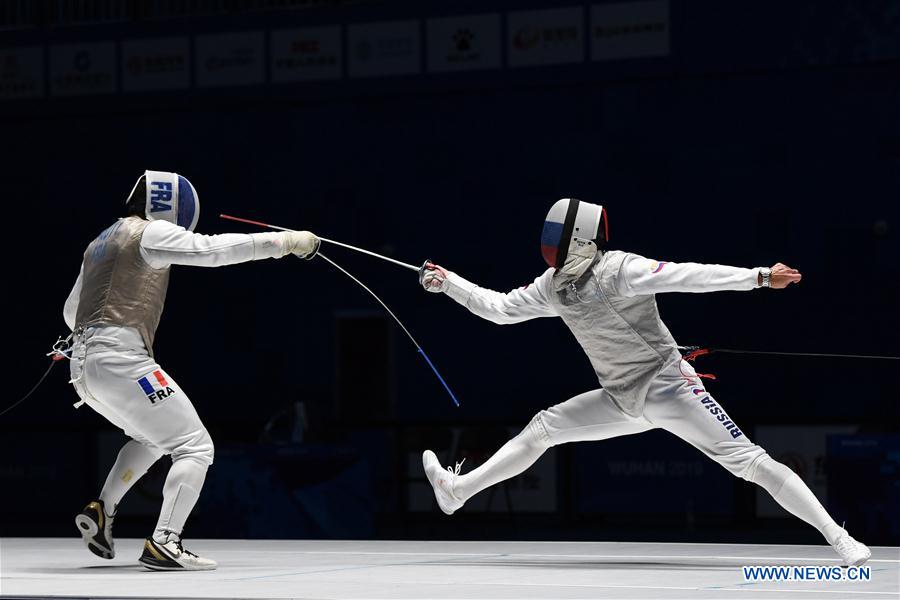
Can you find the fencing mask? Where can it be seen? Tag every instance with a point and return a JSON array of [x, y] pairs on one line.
[[573, 233], [170, 197]]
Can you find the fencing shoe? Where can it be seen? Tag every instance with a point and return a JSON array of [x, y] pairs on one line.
[[171, 556], [854, 553], [95, 527], [442, 482]]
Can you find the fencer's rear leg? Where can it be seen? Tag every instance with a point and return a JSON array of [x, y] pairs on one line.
[[95, 521]]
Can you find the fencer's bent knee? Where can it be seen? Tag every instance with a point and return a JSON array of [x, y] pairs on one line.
[[749, 472], [767, 473], [538, 430], [198, 447], [211, 452]]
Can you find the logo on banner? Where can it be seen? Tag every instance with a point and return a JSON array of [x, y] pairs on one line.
[[546, 37], [82, 60], [239, 58], [400, 47], [629, 29], [527, 38], [612, 31], [463, 50], [462, 39], [306, 53], [21, 72], [155, 386], [156, 63], [82, 69], [464, 43]]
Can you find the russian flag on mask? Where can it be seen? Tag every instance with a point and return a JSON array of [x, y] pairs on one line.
[[551, 236]]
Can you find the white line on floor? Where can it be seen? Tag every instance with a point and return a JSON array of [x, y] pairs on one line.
[[517, 554], [845, 592]]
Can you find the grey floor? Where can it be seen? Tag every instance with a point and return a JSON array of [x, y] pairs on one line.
[[365, 569]]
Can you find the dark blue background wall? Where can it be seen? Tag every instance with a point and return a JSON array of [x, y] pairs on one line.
[[770, 134]]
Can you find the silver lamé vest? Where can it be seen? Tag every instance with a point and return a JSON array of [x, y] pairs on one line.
[[625, 339], [118, 287]]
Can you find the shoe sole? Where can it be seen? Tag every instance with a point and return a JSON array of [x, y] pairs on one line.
[[88, 530], [155, 558], [861, 561], [161, 568]]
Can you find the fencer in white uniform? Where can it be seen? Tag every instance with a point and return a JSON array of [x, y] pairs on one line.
[[113, 311], [607, 299]]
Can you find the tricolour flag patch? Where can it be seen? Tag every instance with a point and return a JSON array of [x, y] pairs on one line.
[[155, 386]]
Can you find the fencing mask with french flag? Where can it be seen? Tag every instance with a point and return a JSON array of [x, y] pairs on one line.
[[170, 197], [573, 233]]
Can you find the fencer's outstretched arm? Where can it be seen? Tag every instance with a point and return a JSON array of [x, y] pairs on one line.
[[164, 244], [522, 304], [71, 308], [642, 276]]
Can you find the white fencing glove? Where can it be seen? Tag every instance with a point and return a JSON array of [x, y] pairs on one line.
[[301, 243], [433, 277]]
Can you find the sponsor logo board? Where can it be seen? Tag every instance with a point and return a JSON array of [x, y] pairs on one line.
[[307, 54], [156, 64], [546, 37], [464, 43], [83, 69], [629, 30], [228, 59], [388, 48], [21, 72]]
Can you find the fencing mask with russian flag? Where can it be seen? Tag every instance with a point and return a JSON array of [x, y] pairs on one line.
[[167, 197], [574, 231]]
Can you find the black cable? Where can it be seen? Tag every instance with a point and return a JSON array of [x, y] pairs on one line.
[[25, 397], [810, 354]]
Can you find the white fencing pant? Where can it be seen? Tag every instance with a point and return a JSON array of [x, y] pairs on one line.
[[677, 402], [127, 387]]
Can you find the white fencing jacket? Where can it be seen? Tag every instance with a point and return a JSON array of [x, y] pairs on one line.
[[611, 310]]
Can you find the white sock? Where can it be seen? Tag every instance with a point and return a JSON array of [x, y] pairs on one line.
[[512, 458], [794, 496], [133, 461], [180, 494]]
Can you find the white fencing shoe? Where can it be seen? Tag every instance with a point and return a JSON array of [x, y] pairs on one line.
[[171, 556], [854, 553], [442, 482], [95, 527]]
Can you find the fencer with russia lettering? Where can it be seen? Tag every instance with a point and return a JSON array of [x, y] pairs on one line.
[[607, 299], [113, 310]]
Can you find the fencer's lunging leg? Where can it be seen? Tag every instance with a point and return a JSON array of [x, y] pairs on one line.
[[512, 458], [679, 403], [792, 494], [180, 494], [451, 489], [592, 415], [133, 461]]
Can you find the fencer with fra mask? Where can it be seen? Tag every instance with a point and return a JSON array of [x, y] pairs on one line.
[[607, 299], [113, 311]]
